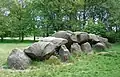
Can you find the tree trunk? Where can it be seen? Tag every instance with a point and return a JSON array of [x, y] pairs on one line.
[[84, 16], [34, 37], [22, 35], [47, 34], [2, 38], [19, 36]]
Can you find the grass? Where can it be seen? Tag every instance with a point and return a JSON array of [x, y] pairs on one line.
[[83, 66], [15, 41]]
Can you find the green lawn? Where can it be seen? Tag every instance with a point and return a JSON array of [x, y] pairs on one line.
[[84, 66]]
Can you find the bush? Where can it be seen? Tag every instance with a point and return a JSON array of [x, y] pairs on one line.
[[113, 36], [98, 29]]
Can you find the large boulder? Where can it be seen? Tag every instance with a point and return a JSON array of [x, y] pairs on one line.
[[104, 41], [53, 60], [80, 37], [99, 47], [108, 45], [93, 38], [18, 60], [40, 50], [66, 35], [56, 41], [86, 47], [75, 48], [64, 53]]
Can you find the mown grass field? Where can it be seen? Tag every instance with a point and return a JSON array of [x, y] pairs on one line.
[[83, 66]]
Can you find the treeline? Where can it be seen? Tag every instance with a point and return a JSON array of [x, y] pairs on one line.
[[21, 18]]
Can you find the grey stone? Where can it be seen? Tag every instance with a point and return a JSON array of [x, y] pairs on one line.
[[75, 48], [66, 35], [64, 53], [40, 50], [86, 47], [93, 38], [108, 45], [56, 41], [80, 37], [99, 47], [18, 60], [104, 41], [53, 57]]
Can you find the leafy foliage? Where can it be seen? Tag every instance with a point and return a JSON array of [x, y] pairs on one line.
[[98, 29], [21, 18], [113, 36]]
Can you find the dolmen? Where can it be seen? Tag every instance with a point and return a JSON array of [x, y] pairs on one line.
[[61, 44]]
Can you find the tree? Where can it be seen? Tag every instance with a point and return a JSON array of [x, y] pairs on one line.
[[90, 9], [20, 18], [58, 14], [4, 25]]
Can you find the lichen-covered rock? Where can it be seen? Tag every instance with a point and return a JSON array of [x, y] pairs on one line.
[[40, 50], [93, 38], [53, 60], [66, 35], [99, 47], [75, 48], [104, 41], [80, 37], [56, 41], [64, 53], [86, 47], [18, 60], [108, 45]]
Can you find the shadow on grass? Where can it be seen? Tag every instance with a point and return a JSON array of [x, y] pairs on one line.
[[16, 41], [5, 65]]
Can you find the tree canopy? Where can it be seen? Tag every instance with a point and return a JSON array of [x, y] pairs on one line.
[[20, 18]]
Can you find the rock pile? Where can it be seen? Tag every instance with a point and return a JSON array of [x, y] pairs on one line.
[[60, 44]]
